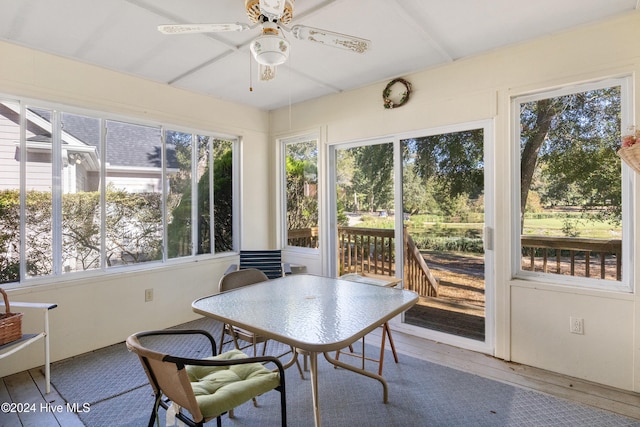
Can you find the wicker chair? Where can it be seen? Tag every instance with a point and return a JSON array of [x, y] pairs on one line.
[[206, 388]]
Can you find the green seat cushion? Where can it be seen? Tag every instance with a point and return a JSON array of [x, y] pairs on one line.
[[219, 389]]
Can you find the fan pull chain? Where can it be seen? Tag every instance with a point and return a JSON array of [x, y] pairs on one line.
[[250, 74]]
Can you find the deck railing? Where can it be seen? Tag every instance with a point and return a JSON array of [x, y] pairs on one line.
[[371, 250], [367, 250], [573, 256], [417, 276], [303, 237]]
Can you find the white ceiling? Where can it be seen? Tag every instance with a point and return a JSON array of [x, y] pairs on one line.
[[406, 36]]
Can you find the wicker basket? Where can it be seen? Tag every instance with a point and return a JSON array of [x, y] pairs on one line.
[[10, 323], [631, 156]]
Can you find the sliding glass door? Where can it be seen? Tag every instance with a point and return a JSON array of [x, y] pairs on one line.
[[364, 194], [417, 207]]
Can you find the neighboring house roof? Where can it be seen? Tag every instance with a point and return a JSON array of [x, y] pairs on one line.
[[128, 145], [122, 137]]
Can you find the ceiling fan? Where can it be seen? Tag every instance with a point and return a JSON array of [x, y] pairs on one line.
[[270, 48]]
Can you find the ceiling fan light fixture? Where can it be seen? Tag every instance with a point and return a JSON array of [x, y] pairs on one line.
[[270, 50], [267, 72]]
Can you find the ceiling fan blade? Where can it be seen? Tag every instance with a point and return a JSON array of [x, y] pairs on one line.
[[343, 41], [272, 9], [201, 28]]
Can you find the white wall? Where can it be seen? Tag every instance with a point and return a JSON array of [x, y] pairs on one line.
[[97, 311], [532, 318]]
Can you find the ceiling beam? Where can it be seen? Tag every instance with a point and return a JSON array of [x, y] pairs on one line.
[[313, 79], [199, 67], [178, 19], [410, 18]]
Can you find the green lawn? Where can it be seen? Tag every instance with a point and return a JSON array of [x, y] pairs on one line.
[[554, 226], [548, 226]]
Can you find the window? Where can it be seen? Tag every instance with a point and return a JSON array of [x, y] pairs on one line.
[[133, 223], [179, 207], [301, 191], [10, 230], [572, 211], [223, 195], [81, 205], [188, 199], [80, 193], [39, 210]]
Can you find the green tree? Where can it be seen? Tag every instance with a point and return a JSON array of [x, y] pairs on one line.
[[418, 195], [9, 236], [345, 169], [455, 161], [450, 169], [302, 209], [571, 142], [222, 197], [179, 199], [180, 202], [373, 176], [81, 230], [133, 226], [38, 233]]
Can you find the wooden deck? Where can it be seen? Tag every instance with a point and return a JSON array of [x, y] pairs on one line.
[[27, 389], [463, 320]]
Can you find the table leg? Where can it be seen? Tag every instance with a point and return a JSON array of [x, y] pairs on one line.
[[387, 329], [294, 359], [381, 359], [385, 392], [314, 387]]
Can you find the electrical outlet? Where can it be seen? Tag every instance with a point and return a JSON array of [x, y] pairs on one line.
[[148, 295], [576, 325]]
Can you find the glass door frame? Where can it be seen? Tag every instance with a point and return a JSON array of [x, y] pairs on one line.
[[488, 345], [331, 248]]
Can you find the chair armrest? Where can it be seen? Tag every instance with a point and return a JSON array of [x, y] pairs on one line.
[[206, 334]]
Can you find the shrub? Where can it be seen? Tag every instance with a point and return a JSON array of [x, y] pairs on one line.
[[449, 244]]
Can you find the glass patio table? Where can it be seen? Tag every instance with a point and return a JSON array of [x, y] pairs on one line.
[[313, 314]]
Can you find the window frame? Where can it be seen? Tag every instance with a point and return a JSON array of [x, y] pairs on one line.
[[626, 284], [284, 226], [58, 275]]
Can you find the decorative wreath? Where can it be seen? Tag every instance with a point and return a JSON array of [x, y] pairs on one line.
[[388, 103]]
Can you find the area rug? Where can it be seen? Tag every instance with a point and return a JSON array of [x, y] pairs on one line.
[[421, 393]]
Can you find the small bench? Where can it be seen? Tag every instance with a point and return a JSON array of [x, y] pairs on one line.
[[28, 339]]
